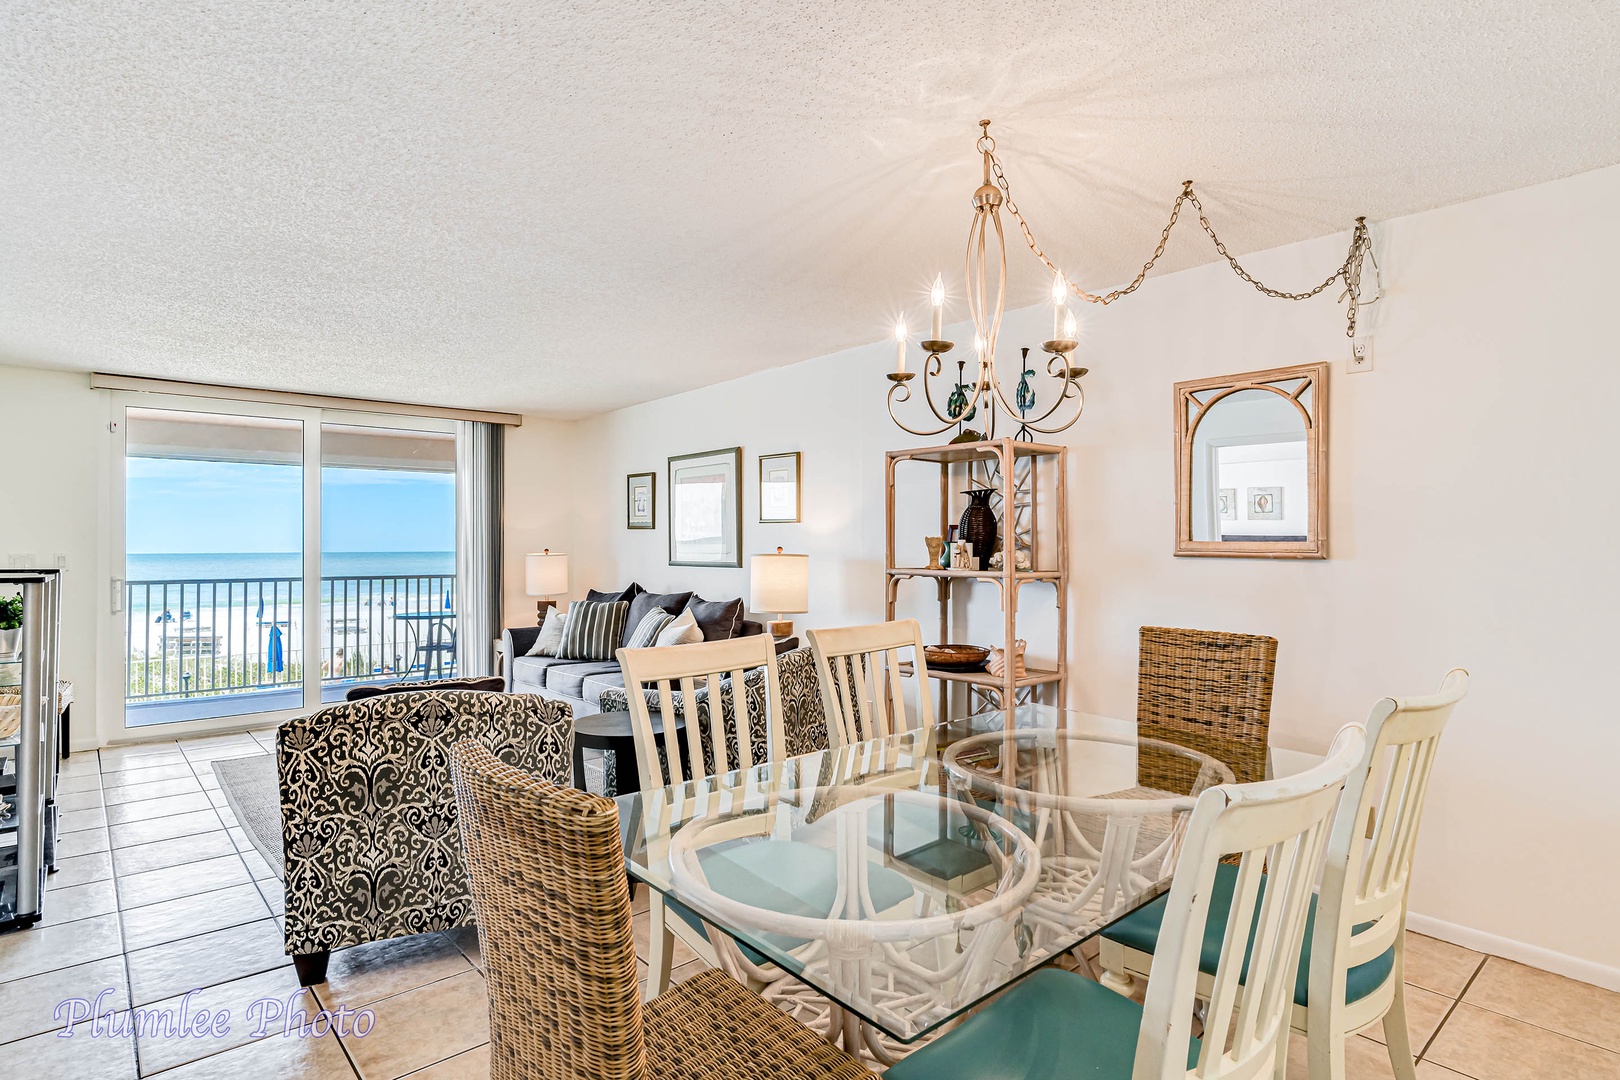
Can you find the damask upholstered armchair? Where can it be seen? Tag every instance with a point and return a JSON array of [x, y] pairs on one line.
[[368, 813]]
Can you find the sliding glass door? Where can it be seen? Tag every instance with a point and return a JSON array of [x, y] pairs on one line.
[[275, 558]]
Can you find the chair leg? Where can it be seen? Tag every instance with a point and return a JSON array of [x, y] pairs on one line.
[[1397, 1036], [660, 947], [1114, 976], [311, 967], [1326, 1055]]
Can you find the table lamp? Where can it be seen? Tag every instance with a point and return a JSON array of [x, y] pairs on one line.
[[779, 584], [545, 575]]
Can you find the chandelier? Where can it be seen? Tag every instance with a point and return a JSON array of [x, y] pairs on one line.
[[986, 280]]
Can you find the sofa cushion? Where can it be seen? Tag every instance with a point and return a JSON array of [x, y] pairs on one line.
[[594, 630], [718, 619], [568, 679], [627, 594], [595, 686], [528, 672], [644, 602]]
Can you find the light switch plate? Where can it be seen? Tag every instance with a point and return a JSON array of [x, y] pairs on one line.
[[1361, 355]]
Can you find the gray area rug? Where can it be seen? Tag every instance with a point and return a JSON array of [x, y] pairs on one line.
[[253, 791]]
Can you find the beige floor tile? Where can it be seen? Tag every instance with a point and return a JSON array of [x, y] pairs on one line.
[[423, 1026], [186, 879], [272, 1059], [1439, 966], [48, 1057], [28, 1006], [686, 971], [240, 997], [1424, 1011], [47, 948], [172, 920], [79, 902], [1577, 1009], [472, 1065], [81, 843], [150, 831], [1364, 1059], [140, 792], [640, 927], [184, 849], [87, 780], [72, 821], [466, 939], [165, 806], [78, 800], [145, 774], [366, 973], [1490, 1046], [80, 869], [205, 960]]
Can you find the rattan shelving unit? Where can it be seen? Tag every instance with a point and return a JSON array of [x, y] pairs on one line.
[[1015, 469]]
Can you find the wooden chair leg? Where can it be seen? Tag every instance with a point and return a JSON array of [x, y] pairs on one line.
[[311, 967], [660, 948], [1111, 957], [1397, 1035]]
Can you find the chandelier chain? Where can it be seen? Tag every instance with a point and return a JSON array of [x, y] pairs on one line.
[[1349, 271]]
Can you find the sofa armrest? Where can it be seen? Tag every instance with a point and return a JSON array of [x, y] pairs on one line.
[[516, 641]]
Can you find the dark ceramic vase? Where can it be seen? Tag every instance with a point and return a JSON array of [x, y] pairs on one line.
[[979, 525]]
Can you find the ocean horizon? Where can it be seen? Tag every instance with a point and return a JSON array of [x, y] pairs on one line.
[[224, 566]]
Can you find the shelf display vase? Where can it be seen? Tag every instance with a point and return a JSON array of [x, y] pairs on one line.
[[979, 525]]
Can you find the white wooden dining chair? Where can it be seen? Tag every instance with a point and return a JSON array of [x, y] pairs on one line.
[[713, 668], [1056, 1023], [1352, 970], [862, 691]]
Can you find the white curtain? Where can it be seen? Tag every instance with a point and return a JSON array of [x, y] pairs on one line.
[[478, 545]]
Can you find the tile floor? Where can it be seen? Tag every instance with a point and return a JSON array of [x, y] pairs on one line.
[[159, 893]]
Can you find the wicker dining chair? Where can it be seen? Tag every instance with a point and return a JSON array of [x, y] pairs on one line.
[[1208, 691], [547, 872]]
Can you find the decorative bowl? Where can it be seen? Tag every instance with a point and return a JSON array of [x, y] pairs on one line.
[[956, 657]]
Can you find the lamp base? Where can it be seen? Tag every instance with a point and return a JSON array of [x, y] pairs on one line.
[[780, 628], [541, 608]]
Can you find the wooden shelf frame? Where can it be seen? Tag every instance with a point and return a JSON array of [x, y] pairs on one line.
[[957, 460]]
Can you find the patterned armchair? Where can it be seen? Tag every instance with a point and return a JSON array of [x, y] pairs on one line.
[[368, 813]]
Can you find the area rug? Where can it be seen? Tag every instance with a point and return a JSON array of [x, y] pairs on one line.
[[253, 792]]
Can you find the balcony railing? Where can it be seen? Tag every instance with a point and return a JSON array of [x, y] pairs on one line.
[[186, 639]]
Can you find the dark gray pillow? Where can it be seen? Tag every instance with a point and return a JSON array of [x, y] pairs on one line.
[[718, 619], [597, 596], [644, 602]]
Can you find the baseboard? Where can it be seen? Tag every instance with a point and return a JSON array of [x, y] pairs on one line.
[[1574, 967]]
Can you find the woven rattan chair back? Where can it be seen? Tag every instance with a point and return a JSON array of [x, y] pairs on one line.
[[706, 667], [547, 874], [861, 688], [1208, 691]]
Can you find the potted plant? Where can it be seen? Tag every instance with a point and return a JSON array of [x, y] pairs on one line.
[[11, 614]]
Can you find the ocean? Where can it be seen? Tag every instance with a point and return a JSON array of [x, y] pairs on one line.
[[221, 566]]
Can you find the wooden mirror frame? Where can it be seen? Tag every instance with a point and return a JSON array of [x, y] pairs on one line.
[[1315, 376]]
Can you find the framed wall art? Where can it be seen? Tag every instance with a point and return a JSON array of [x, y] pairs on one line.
[[705, 508], [779, 498], [641, 500]]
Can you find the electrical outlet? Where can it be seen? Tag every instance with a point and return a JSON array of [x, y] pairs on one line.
[[1361, 355]]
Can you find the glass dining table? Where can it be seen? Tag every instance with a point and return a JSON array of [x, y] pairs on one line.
[[881, 890]]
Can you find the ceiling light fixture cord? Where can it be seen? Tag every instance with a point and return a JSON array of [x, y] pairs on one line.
[[1349, 272]]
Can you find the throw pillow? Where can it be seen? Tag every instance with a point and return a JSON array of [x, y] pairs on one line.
[[645, 602], [551, 634], [645, 633], [718, 619], [681, 630], [629, 593], [594, 630]]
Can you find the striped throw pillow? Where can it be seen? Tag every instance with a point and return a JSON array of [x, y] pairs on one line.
[[645, 635], [594, 630]]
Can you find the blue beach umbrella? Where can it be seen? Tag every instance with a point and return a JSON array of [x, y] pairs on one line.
[[275, 661]]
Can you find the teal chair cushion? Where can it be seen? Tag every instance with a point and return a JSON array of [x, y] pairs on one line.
[[1140, 931], [786, 876], [1054, 1025]]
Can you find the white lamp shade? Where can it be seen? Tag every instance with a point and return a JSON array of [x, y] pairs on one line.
[[779, 584], [546, 573]]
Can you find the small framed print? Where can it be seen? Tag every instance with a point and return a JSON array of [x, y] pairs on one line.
[[1227, 502], [641, 501], [705, 508], [779, 498], [1265, 504]]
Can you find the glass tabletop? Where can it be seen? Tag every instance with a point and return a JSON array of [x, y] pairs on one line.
[[906, 879]]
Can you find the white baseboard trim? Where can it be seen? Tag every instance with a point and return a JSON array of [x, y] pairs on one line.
[[1558, 963]]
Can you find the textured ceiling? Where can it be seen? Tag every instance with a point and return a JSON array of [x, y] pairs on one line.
[[566, 207]]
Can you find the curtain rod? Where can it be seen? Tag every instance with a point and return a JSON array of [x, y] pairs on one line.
[[103, 381]]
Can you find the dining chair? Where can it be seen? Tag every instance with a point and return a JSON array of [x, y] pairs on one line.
[[1209, 691], [1351, 972], [861, 688], [1056, 1023], [546, 868]]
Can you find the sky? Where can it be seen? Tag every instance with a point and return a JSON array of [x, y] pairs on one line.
[[191, 507]]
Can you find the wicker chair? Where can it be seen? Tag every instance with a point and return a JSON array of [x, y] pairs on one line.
[[1208, 691], [547, 875]]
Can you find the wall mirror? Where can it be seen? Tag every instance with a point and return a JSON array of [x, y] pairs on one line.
[[1251, 464]]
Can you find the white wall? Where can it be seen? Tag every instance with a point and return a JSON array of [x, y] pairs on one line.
[[1494, 367]]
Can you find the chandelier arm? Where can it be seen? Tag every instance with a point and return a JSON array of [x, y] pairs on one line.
[[1070, 389], [1079, 395], [902, 393]]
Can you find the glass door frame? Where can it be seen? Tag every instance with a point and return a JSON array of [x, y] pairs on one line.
[[111, 720]]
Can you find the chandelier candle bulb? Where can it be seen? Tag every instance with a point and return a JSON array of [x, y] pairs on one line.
[[1060, 307], [1068, 326], [938, 297], [899, 346]]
